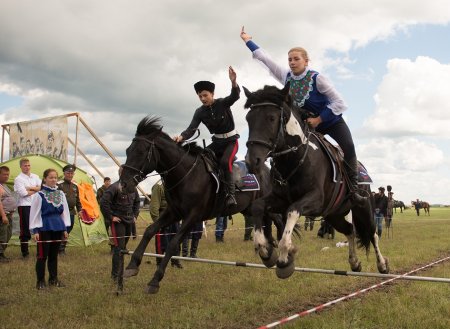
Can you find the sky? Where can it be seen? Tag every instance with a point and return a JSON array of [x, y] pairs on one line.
[[115, 62]]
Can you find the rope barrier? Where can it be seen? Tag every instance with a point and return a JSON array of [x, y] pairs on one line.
[[303, 269], [356, 293]]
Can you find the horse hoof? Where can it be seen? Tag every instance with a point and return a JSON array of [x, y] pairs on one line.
[[271, 260], [129, 272], [285, 270], [357, 268], [386, 269], [151, 290]]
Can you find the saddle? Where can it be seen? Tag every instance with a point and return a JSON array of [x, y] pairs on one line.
[[243, 180], [336, 157]]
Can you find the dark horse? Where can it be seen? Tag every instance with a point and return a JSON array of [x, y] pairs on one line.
[[189, 186], [303, 181], [422, 204], [399, 204]]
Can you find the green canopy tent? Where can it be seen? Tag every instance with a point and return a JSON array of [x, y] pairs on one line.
[[82, 234]]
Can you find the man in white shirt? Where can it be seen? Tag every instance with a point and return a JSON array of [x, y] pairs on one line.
[[26, 184]]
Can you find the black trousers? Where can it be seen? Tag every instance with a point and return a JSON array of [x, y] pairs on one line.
[[164, 236], [25, 235], [47, 252], [120, 234], [342, 135], [225, 153]]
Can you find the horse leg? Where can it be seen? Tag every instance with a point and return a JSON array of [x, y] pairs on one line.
[[262, 246], [173, 248], [166, 219], [382, 262], [353, 260], [287, 251]]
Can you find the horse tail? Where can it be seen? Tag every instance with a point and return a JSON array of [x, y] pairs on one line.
[[363, 220]]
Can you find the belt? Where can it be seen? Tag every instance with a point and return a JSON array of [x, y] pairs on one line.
[[226, 135]]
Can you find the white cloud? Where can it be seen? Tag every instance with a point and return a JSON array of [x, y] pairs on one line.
[[412, 99], [416, 169]]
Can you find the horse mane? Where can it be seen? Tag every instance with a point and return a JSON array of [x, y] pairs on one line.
[[150, 126], [266, 94], [193, 148]]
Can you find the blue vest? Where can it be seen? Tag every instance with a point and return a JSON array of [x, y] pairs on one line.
[[305, 95], [51, 210]]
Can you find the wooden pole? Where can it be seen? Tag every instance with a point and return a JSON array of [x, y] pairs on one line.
[[76, 142], [85, 158], [99, 141]]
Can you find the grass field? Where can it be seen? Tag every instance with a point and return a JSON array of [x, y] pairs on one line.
[[217, 296]]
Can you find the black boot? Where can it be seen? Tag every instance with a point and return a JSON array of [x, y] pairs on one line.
[[230, 189], [194, 246], [185, 247], [62, 248], [351, 167], [176, 263]]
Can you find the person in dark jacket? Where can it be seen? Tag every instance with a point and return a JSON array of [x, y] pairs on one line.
[[73, 199], [216, 115], [381, 204], [120, 210], [158, 204]]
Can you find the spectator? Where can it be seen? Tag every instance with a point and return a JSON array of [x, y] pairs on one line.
[[248, 222], [49, 223], [26, 184], [8, 205], [100, 192], [158, 204], [73, 199], [390, 206], [103, 188], [120, 210], [417, 206], [325, 230], [195, 235], [221, 227], [381, 203]]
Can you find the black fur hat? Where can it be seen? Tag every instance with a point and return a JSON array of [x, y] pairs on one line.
[[204, 85]]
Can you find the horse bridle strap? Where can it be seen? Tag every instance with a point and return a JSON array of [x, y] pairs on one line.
[[141, 176], [272, 147]]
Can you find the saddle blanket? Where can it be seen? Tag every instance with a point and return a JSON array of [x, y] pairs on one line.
[[248, 183]]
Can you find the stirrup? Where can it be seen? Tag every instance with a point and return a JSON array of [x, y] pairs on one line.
[[230, 200]]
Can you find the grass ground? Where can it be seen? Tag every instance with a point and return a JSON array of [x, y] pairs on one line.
[[217, 296]]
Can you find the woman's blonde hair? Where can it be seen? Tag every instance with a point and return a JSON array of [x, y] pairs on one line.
[[301, 51]]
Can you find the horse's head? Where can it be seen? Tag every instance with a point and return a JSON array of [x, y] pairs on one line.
[[269, 120], [142, 154]]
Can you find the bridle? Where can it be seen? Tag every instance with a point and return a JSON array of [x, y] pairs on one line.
[[273, 146], [141, 175], [281, 129]]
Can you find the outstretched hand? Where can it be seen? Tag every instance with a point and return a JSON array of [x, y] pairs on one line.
[[244, 36], [232, 75]]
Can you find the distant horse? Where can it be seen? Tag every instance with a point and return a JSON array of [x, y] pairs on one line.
[[303, 181], [191, 190], [422, 204], [399, 204]]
